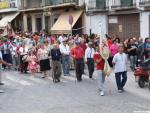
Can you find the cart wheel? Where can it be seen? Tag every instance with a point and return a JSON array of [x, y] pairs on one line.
[[141, 82]]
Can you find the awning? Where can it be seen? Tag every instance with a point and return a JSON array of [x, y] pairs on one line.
[[62, 25], [7, 18]]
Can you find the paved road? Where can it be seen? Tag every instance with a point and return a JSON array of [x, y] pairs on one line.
[[26, 94]]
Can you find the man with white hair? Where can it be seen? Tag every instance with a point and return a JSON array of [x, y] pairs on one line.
[[65, 51]]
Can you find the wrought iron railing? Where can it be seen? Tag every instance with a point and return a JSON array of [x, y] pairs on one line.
[[123, 3], [143, 2], [96, 4], [59, 2]]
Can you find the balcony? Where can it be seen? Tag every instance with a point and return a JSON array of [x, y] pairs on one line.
[[123, 4], [60, 2], [96, 5], [29, 4], [144, 2]]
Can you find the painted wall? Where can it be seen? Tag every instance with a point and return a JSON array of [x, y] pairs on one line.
[[94, 22], [144, 24]]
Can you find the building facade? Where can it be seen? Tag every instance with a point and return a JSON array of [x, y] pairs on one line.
[[96, 17], [43, 14], [144, 6], [9, 14], [125, 18]]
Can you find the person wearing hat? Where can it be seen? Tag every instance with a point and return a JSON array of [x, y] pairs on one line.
[[89, 53], [56, 62], [65, 51], [78, 55]]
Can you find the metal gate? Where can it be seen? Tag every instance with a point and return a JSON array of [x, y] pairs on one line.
[[125, 26]]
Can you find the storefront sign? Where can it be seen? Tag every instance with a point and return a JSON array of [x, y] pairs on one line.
[[113, 19], [4, 4]]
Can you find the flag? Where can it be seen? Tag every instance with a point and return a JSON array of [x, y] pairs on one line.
[[105, 52]]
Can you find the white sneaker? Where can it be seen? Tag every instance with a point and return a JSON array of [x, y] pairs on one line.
[[102, 93], [1, 91]]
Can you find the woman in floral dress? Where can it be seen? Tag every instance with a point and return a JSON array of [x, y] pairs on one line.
[[32, 63]]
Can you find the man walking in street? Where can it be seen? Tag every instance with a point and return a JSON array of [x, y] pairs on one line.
[[89, 53], [56, 56], [132, 52], [120, 68], [78, 55]]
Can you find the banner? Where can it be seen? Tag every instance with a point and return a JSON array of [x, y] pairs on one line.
[[4, 4]]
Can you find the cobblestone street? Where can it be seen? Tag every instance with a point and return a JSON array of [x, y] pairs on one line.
[[26, 94]]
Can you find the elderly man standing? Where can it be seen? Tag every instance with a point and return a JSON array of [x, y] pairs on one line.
[[78, 55], [89, 54], [56, 56], [65, 51]]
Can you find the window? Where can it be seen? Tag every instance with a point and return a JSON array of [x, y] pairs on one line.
[[126, 2]]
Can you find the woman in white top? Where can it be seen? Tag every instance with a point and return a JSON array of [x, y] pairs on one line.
[[43, 57]]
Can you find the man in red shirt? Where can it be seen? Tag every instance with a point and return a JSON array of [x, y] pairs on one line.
[[100, 73], [36, 38], [78, 55]]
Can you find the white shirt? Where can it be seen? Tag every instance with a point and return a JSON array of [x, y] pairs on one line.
[[6, 47], [120, 61], [89, 53], [14, 50], [1, 57], [64, 49], [23, 51], [60, 39], [42, 54]]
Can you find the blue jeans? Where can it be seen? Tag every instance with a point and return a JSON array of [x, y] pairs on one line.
[[133, 60], [121, 79], [65, 64], [101, 79]]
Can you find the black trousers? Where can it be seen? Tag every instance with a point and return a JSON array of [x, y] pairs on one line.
[[79, 68], [23, 65], [121, 79], [90, 64], [110, 59]]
